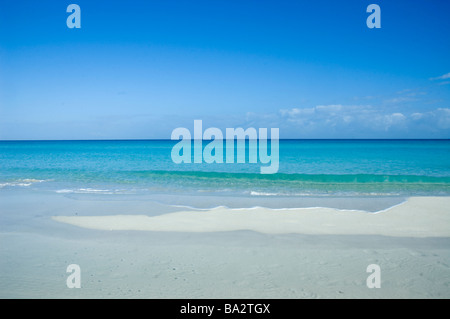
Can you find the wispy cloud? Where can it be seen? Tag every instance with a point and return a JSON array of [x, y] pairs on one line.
[[406, 96], [401, 99], [442, 77], [339, 117], [438, 119], [367, 97], [361, 121]]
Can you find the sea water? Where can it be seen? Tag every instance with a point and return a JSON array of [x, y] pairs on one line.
[[307, 168]]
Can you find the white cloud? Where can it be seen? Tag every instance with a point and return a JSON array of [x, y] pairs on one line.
[[329, 108], [394, 119], [400, 100], [444, 118], [297, 112], [360, 121], [442, 77]]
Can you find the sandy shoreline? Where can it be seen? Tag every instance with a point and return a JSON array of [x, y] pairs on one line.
[[417, 217], [221, 253]]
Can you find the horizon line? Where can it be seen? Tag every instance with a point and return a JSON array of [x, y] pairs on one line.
[[281, 139]]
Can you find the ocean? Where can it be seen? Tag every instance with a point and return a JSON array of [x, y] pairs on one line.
[[307, 168]]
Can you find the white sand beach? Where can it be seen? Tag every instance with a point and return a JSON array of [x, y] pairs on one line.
[[222, 253], [417, 217]]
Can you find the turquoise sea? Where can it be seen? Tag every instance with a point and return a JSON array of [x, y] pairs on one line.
[[306, 168]]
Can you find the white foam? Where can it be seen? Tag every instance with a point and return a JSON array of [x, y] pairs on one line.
[[253, 193], [32, 180], [22, 182], [64, 191], [92, 191], [199, 209]]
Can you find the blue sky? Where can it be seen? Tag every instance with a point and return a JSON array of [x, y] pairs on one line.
[[139, 69]]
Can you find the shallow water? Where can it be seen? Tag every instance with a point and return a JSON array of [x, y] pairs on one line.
[[307, 168]]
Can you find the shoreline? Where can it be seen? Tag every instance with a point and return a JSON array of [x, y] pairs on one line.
[[264, 261]]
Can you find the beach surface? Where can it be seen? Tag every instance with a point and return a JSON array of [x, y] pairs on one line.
[[221, 253], [416, 217]]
